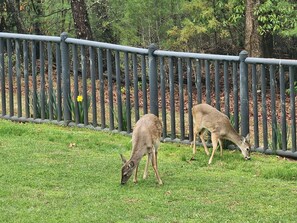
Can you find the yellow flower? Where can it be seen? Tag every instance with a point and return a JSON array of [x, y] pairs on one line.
[[79, 98]]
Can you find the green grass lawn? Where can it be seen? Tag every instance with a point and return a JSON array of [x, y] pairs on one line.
[[50, 173]]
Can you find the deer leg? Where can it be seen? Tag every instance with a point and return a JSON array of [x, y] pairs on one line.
[[135, 174], [221, 147], [194, 142], [155, 165], [214, 140], [203, 142], [149, 157]]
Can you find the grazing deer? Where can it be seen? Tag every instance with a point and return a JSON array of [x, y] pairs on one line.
[[207, 117], [145, 140]]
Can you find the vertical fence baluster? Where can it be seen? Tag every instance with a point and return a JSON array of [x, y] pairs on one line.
[[2, 77], [226, 89], [264, 106], [135, 82], [235, 95], [110, 89], [217, 85], [144, 85], [172, 100], [198, 82], [26, 78], [42, 81], [207, 82], [255, 105], [93, 84], [119, 94], [50, 82], [163, 97], [292, 77], [127, 85], [18, 76], [10, 78], [190, 98], [73, 100], [273, 107], [101, 80], [34, 83], [58, 77], [283, 122], [181, 99], [84, 85]]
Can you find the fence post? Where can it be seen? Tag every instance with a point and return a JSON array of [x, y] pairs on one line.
[[153, 80], [65, 78], [244, 100]]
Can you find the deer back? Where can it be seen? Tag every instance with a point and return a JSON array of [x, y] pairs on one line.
[[146, 133]]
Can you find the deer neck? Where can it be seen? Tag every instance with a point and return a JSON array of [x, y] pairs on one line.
[[235, 138], [137, 154]]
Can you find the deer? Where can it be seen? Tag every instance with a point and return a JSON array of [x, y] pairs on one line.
[[145, 141], [206, 117]]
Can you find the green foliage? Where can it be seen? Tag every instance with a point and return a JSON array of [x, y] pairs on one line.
[[278, 137], [204, 19], [277, 17], [47, 104], [295, 88], [124, 117]]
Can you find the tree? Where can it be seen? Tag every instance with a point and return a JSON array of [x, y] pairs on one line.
[[276, 18], [13, 11], [81, 19], [209, 26], [253, 39]]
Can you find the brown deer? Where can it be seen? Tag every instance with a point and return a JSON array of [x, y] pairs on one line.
[[145, 140], [207, 117]]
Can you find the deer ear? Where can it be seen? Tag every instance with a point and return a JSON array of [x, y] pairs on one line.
[[247, 138], [123, 159]]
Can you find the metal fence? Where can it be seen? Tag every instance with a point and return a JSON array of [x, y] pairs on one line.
[[108, 87]]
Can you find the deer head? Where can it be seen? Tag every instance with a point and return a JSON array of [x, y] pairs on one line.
[[127, 169], [245, 147]]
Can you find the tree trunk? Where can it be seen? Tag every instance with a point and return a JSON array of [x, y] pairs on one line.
[[268, 45], [252, 37], [13, 10], [81, 20], [253, 40]]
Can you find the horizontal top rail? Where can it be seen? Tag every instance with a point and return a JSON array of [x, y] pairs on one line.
[[107, 46], [271, 61], [196, 55], [30, 37]]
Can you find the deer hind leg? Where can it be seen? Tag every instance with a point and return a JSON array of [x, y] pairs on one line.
[[149, 157], [194, 142], [155, 164], [203, 141], [214, 139], [221, 146]]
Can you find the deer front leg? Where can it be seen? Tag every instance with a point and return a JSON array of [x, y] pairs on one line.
[[155, 165], [135, 174], [214, 140], [221, 147], [149, 157]]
